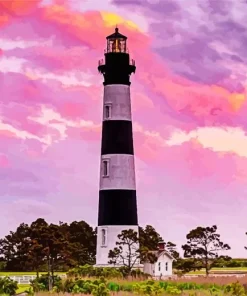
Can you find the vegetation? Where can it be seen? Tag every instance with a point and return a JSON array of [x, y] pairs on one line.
[[89, 271], [8, 286], [42, 246], [52, 248], [104, 287], [129, 252], [203, 246], [46, 250], [49, 247], [128, 239]]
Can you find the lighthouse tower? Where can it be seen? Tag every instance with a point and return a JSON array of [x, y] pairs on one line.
[[117, 194]]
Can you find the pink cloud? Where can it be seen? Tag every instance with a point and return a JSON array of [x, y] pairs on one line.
[[24, 90], [50, 127], [4, 161], [188, 99], [24, 100]]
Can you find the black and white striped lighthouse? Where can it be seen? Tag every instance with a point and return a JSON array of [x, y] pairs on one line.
[[117, 194]]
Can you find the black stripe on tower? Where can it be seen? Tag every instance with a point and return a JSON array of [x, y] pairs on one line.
[[117, 207], [117, 68], [117, 137]]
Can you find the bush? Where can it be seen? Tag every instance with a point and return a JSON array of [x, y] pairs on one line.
[[233, 263], [236, 289], [102, 287], [42, 283], [106, 272], [100, 290], [8, 286]]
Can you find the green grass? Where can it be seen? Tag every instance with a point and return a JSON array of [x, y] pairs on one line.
[[202, 271], [22, 288], [225, 270], [24, 273], [230, 268]]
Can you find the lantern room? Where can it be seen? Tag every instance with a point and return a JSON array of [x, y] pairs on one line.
[[117, 65], [116, 43]]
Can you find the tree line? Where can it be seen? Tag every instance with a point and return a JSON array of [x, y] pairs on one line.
[[201, 250], [43, 246]]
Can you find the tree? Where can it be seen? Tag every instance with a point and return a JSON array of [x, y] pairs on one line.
[[14, 248], [43, 246], [36, 255], [245, 247], [172, 249], [149, 241], [82, 239], [132, 249], [203, 245], [149, 238], [127, 253], [185, 265]]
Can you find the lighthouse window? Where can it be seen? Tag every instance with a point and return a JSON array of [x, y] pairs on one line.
[[103, 232], [159, 265], [105, 168], [166, 266], [107, 111]]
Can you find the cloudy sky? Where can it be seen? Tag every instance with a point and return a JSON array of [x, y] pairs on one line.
[[189, 111]]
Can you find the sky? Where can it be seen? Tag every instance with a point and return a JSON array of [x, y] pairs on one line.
[[188, 102]]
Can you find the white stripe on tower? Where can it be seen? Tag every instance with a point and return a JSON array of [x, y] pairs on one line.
[[121, 172], [117, 97], [117, 106]]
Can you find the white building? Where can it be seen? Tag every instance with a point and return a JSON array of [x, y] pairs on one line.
[[163, 266]]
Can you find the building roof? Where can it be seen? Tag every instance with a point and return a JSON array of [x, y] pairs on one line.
[[160, 253], [116, 35]]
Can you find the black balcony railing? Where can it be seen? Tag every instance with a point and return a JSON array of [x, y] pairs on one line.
[[101, 62]]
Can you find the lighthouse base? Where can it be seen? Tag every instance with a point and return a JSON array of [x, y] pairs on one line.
[[106, 241]]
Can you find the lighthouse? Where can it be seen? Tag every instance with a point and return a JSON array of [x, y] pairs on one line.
[[117, 209]]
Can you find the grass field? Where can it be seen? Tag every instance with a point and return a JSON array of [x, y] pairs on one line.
[[22, 288], [221, 270], [202, 271], [16, 273], [200, 287]]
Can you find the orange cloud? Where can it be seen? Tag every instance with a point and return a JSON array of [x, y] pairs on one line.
[[18, 7], [199, 99], [3, 19], [237, 100], [92, 27], [112, 19]]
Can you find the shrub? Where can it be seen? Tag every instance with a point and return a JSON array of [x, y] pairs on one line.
[[42, 283], [101, 290], [113, 287], [106, 272], [8, 286], [236, 289]]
